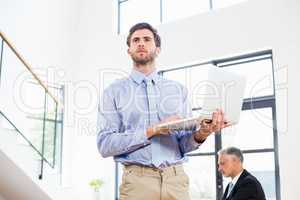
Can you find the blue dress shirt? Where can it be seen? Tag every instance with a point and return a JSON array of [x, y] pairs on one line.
[[123, 117]]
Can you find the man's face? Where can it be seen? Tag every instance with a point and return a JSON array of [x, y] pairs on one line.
[[142, 47], [228, 165]]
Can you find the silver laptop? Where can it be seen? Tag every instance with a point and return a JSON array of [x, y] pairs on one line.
[[224, 90]]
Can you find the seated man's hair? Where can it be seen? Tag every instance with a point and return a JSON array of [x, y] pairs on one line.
[[232, 151]]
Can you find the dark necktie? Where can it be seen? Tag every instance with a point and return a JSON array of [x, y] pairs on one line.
[[230, 187]]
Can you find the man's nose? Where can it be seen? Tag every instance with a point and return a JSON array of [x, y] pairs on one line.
[[141, 43]]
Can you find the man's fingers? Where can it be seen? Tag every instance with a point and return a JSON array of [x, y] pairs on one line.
[[220, 120], [214, 118], [217, 122]]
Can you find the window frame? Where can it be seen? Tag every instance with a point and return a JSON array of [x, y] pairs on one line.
[[59, 121], [161, 11]]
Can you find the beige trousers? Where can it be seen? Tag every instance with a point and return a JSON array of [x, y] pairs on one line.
[[145, 183]]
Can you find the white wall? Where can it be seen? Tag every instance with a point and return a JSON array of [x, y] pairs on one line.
[[80, 37], [43, 31], [96, 39], [1, 197]]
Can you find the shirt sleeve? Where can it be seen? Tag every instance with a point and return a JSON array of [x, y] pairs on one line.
[[186, 139], [187, 142], [112, 137]]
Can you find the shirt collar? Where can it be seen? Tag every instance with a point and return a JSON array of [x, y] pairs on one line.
[[138, 77], [236, 178]]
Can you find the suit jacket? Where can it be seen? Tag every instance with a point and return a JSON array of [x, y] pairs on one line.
[[246, 188]]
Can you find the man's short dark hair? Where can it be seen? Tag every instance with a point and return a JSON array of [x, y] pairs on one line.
[[144, 25], [233, 151]]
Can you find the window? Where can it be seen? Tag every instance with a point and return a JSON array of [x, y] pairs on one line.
[[202, 177], [53, 123], [258, 120], [155, 12]]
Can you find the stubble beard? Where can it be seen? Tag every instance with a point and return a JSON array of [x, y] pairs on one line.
[[143, 61]]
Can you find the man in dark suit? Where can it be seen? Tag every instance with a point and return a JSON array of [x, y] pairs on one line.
[[243, 186]]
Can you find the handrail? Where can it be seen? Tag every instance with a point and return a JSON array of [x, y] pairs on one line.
[[28, 67], [29, 143], [46, 91]]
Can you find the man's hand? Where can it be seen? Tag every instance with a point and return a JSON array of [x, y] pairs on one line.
[[208, 127], [155, 130]]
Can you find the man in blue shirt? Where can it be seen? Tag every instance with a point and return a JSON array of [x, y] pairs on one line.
[[128, 117]]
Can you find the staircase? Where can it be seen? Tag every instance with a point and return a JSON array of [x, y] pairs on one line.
[[29, 168]]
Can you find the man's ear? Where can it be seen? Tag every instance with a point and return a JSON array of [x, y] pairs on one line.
[[128, 51], [157, 50]]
